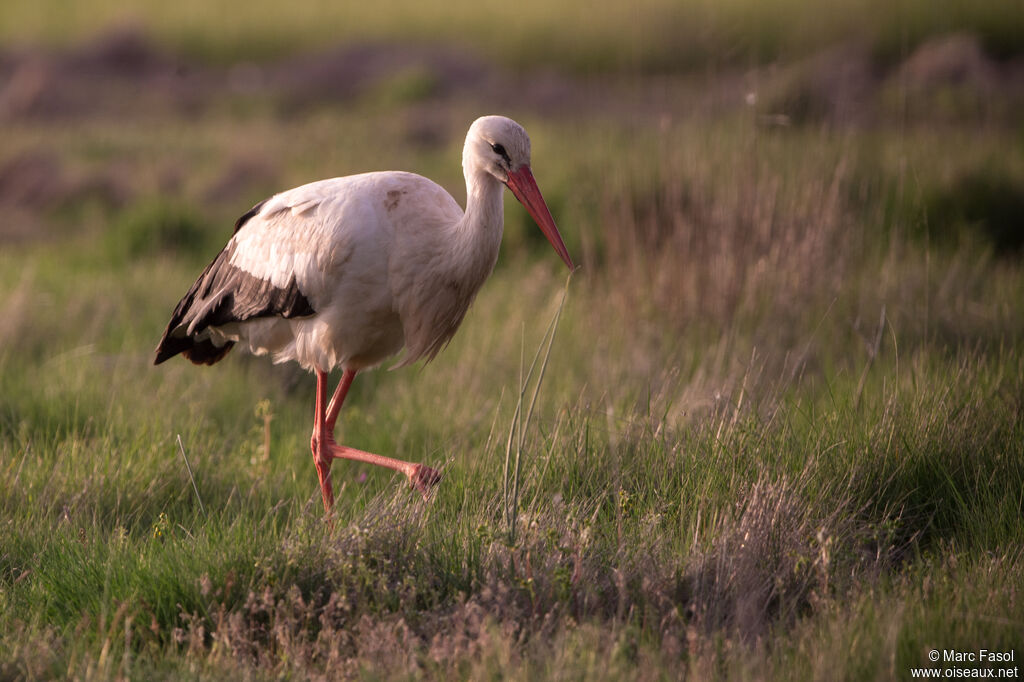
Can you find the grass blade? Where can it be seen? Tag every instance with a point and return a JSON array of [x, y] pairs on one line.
[[519, 426], [188, 467]]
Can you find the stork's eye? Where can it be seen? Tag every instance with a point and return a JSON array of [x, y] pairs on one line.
[[500, 151]]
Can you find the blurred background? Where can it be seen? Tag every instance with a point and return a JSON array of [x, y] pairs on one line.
[[692, 150], [733, 169]]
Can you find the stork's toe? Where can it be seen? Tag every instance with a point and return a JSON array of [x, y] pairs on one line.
[[424, 479]]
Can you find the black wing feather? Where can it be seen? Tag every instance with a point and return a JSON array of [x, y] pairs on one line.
[[224, 294]]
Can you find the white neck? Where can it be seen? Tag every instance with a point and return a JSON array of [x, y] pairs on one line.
[[477, 235]]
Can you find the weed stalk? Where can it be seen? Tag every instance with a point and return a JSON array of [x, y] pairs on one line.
[[518, 428]]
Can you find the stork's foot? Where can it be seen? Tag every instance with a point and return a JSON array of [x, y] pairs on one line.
[[424, 479]]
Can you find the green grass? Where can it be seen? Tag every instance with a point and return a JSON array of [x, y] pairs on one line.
[[779, 436]]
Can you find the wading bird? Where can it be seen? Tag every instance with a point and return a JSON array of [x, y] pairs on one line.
[[349, 271]]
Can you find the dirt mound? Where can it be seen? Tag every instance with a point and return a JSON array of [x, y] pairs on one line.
[[114, 75], [124, 73], [835, 86], [956, 59], [947, 78]]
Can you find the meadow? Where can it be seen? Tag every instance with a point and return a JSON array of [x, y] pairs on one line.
[[779, 430]]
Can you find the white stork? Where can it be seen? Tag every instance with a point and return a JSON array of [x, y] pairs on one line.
[[348, 271]]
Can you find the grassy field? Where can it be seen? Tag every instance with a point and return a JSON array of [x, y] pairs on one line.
[[780, 431]]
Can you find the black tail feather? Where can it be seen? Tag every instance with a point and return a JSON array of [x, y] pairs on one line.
[[203, 352]]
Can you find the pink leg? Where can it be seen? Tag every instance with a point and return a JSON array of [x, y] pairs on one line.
[[338, 398], [318, 443], [325, 449]]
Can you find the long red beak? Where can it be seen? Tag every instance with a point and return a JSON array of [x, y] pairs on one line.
[[525, 189]]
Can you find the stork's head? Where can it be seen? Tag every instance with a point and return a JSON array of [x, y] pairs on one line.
[[500, 147]]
